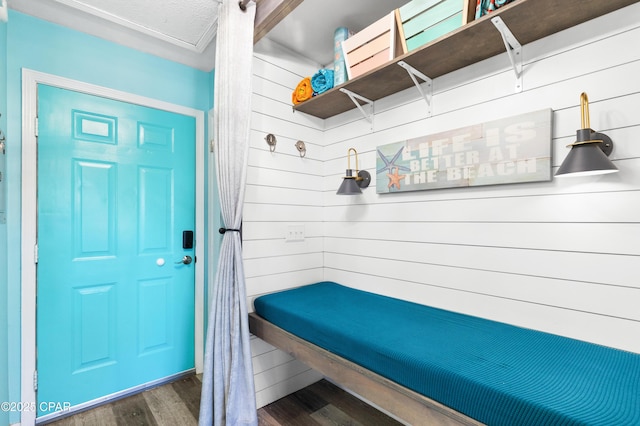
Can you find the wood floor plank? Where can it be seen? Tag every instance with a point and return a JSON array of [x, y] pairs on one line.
[[168, 408], [330, 415], [189, 390], [356, 408], [289, 411], [265, 419], [102, 415], [133, 411], [309, 399]]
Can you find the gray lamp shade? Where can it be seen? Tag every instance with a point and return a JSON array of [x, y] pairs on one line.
[[349, 186], [587, 157]]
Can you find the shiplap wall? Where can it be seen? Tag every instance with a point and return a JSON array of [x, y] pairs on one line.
[[560, 256], [283, 190]]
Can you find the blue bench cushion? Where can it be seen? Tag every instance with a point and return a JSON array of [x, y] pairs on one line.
[[493, 372]]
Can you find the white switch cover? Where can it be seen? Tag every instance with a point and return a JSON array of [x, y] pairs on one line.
[[294, 233]]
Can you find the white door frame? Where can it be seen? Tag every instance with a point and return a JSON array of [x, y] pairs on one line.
[[30, 81]]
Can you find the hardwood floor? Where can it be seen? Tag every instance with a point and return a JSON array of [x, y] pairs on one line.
[[322, 403], [178, 403]]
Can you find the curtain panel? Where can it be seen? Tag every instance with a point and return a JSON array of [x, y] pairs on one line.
[[228, 391]]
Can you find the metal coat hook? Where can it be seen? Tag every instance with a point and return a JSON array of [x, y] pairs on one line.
[[302, 149], [271, 141]]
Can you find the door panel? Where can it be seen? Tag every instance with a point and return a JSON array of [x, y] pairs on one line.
[[116, 188]]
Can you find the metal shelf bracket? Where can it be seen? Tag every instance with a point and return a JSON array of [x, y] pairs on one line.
[[354, 98], [413, 73], [513, 47]]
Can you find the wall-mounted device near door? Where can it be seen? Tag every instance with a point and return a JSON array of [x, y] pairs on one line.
[[187, 239]]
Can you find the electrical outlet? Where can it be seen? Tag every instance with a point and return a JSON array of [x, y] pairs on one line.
[[294, 233]]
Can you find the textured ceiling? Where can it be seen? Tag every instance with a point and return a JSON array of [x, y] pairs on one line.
[[188, 23], [179, 30]]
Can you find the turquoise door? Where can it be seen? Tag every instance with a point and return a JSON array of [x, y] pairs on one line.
[[115, 302]]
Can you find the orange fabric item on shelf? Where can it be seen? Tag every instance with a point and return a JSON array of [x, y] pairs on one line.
[[303, 91]]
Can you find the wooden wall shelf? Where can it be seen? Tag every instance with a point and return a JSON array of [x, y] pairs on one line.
[[528, 20]]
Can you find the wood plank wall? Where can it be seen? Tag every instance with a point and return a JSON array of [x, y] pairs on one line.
[[560, 256], [283, 190]]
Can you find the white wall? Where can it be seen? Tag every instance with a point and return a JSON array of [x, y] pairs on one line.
[[560, 256], [283, 190]]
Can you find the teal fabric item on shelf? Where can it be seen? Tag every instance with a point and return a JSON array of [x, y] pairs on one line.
[[486, 6], [339, 64], [494, 372], [322, 81]]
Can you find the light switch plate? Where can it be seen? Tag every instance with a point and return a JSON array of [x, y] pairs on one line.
[[294, 233]]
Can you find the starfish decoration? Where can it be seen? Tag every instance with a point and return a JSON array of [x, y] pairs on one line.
[[390, 165], [394, 179]]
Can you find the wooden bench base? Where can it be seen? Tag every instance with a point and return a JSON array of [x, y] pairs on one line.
[[404, 403]]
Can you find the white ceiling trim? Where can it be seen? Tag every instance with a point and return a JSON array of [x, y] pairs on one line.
[[207, 37], [199, 47]]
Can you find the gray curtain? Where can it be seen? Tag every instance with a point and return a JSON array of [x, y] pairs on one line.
[[228, 391]]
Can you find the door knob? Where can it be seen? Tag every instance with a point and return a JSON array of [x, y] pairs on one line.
[[186, 260]]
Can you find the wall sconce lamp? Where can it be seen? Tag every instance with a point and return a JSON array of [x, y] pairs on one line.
[[352, 185], [589, 153]]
